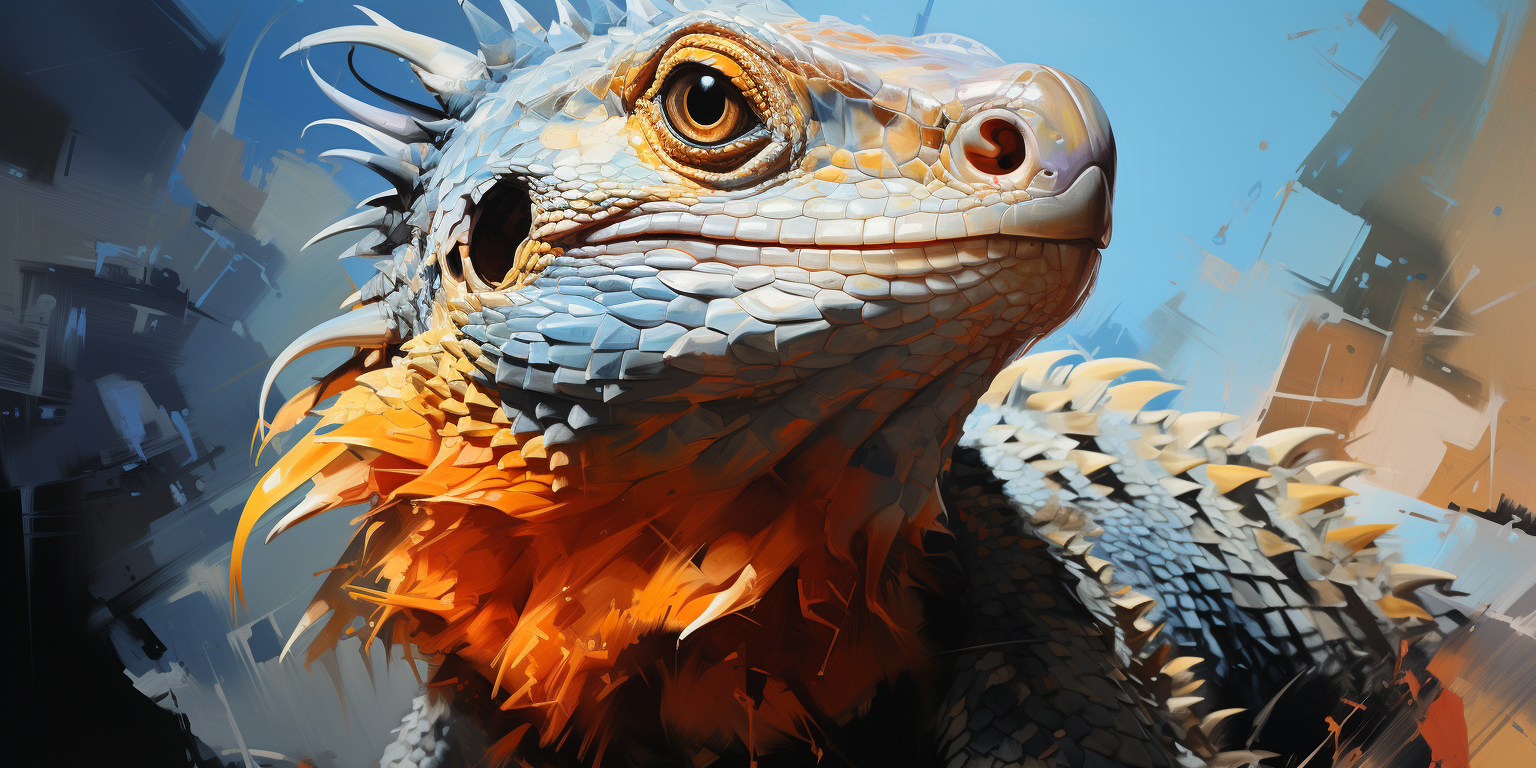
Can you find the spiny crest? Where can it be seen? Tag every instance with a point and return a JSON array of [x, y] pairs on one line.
[[1062, 404], [1090, 468], [457, 77], [405, 140], [449, 71]]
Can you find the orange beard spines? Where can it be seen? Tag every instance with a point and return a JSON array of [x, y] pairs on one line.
[[540, 567]]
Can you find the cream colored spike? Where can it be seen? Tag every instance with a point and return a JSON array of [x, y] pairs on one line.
[[1227, 477], [1332, 472], [1028, 371], [1087, 394], [1048, 401], [431, 56], [1406, 577], [1278, 445], [1134, 395], [316, 609], [1086, 383], [1176, 463], [1107, 369], [1089, 462], [1188, 428], [366, 326], [1177, 486]]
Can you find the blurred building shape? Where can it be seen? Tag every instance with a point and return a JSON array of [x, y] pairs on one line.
[[131, 262], [1411, 352], [302, 198], [213, 167]]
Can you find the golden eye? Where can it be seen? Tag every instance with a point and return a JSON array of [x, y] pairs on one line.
[[717, 111], [704, 108]]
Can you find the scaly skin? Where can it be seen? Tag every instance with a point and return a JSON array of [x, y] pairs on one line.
[[1148, 521], [649, 421]]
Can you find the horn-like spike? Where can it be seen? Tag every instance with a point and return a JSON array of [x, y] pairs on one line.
[[570, 17], [1133, 396], [1107, 369], [366, 326], [1332, 472], [376, 17], [641, 15], [399, 126], [385, 143], [367, 248], [308, 507], [562, 37], [1404, 578], [316, 609], [388, 198], [397, 172], [1358, 537], [419, 111], [1188, 429], [1281, 443], [496, 44], [373, 218], [1034, 369], [432, 55], [527, 34], [1227, 477], [438, 127], [605, 16], [520, 18]]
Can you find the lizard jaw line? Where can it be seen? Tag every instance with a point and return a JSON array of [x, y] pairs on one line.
[[590, 247], [994, 246], [1081, 212]]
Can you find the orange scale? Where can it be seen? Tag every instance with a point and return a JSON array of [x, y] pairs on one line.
[[474, 455], [375, 433]]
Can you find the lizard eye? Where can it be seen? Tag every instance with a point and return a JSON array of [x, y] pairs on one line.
[[717, 111], [704, 108]]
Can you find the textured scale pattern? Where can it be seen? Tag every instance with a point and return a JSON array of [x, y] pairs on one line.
[[1158, 523]]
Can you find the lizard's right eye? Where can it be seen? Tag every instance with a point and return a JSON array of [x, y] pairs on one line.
[[704, 108], [718, 112]]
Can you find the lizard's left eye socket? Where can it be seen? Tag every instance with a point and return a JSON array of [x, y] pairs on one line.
[[704, 108]]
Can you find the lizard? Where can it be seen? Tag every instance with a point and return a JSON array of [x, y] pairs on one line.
[[678, 314]]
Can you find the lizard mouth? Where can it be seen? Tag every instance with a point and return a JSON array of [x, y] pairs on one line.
[[913, 260], [1081, 212], [1024, 269]]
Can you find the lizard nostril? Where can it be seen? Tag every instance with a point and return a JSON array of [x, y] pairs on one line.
[[1006, 151]]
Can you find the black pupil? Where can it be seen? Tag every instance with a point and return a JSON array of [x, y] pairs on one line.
[[706, 101]]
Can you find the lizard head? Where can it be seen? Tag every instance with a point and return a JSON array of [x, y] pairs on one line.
[[679, 274]]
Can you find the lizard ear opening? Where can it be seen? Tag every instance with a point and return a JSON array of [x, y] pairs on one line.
[[499, 224]]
